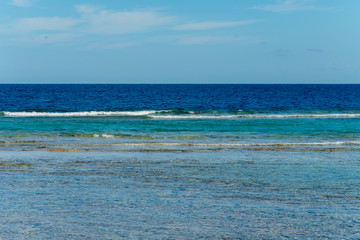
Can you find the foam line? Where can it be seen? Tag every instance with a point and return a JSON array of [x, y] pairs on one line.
[[79, 114], [168, 114]]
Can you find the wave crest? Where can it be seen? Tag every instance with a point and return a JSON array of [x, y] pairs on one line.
[[81, 114], [176, 114]]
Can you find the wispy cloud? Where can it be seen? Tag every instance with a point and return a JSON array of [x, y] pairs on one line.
[[109, 26], [111, 22], [86, 9], [91, 20], [211, 25], [45, 24], [21, 3], [287, 6]]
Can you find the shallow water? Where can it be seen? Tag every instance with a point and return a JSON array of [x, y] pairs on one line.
[[160, 162], [201, 194]]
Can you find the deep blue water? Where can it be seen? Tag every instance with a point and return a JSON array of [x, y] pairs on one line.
[[196, 97], [180, 161]]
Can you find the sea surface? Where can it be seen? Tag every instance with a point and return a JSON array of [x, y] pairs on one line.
[[179, 161]]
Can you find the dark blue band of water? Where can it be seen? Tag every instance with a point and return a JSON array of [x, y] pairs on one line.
[[103, 97]]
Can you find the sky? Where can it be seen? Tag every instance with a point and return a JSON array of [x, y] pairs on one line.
[[164, 41]]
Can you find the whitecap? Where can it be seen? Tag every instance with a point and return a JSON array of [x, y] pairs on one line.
[[80, 114]]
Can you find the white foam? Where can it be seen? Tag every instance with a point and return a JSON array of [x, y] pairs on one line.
[[158, 114], [329, 115], [257, 116], [79, 114], [197, 116], [103, 135]]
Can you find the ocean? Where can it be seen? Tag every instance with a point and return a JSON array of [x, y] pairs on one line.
[[180, 161]]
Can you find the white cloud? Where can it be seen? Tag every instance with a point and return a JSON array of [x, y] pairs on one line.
[[21, 3], [91, 20], [286, 6], [96, 20], [86, 9], [109, 22], [45, 24], [211, 25]]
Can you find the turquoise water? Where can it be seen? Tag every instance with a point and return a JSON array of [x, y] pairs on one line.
[[111, 178], [170, 173]]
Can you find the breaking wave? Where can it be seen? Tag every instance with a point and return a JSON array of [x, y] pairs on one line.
[[180, 114], [80, 114]]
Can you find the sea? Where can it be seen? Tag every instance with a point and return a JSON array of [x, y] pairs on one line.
[[179, 161]]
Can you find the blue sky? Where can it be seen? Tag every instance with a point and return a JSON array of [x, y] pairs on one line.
[[138, 41]]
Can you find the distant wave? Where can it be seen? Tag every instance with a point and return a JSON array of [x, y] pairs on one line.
[[80, 114], [326, 115], [256, 116], [176, 114], [197, 116]]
